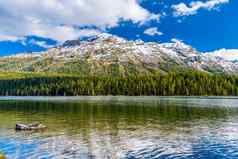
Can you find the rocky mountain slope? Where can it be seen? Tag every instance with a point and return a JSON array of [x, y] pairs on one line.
[[107, 54]]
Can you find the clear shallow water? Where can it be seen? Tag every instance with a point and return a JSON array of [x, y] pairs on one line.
[[121, 127]]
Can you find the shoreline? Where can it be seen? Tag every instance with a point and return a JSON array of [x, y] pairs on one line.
[[109, 97]]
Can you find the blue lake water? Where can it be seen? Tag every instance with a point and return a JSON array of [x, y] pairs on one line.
[[121, 127]]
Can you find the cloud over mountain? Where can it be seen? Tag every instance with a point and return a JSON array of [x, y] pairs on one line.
[[61, 20], [153, 31], [227, 54]]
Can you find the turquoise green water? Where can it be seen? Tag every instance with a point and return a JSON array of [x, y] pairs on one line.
[[120, 127]]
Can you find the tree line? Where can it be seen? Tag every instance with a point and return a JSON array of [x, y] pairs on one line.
[[190, 83]]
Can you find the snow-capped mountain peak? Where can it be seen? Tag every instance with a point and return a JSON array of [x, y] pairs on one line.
[[107, 36], [180, 47], [105, 52], [96, 39]]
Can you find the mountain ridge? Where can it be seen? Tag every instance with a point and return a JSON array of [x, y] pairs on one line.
[[107, 54]]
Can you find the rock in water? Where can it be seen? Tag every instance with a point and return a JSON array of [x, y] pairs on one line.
[[30, 127]]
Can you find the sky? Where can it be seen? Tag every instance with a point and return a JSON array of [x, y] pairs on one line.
[[33, 25]]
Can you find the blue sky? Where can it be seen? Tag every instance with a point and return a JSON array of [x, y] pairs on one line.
[[28, 26]]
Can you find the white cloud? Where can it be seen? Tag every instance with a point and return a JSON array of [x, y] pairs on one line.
[[59, 19], [42, 44], [8, 37], [153, 31], [182, 9], [227, 54], [174, 40]]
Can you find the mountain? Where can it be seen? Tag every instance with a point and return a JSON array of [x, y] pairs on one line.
[[106, 54]]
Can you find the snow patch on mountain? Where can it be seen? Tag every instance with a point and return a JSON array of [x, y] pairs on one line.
[[104, 50]]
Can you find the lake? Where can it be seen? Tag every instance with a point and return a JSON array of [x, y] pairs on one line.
[[120, 127]]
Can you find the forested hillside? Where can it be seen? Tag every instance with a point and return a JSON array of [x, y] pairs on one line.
[[110, 65], [185, 84]]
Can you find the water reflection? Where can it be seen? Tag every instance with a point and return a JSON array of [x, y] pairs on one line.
[[122, 128]]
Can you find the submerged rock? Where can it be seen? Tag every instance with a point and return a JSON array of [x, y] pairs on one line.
[[30, 127]]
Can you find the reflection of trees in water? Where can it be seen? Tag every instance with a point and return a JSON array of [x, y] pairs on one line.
[[113, 127], [85, 114]]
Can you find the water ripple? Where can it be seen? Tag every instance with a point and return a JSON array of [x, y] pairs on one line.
[[153, 130]]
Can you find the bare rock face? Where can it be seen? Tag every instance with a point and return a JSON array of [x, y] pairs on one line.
[[71, 43], [107, 54]]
